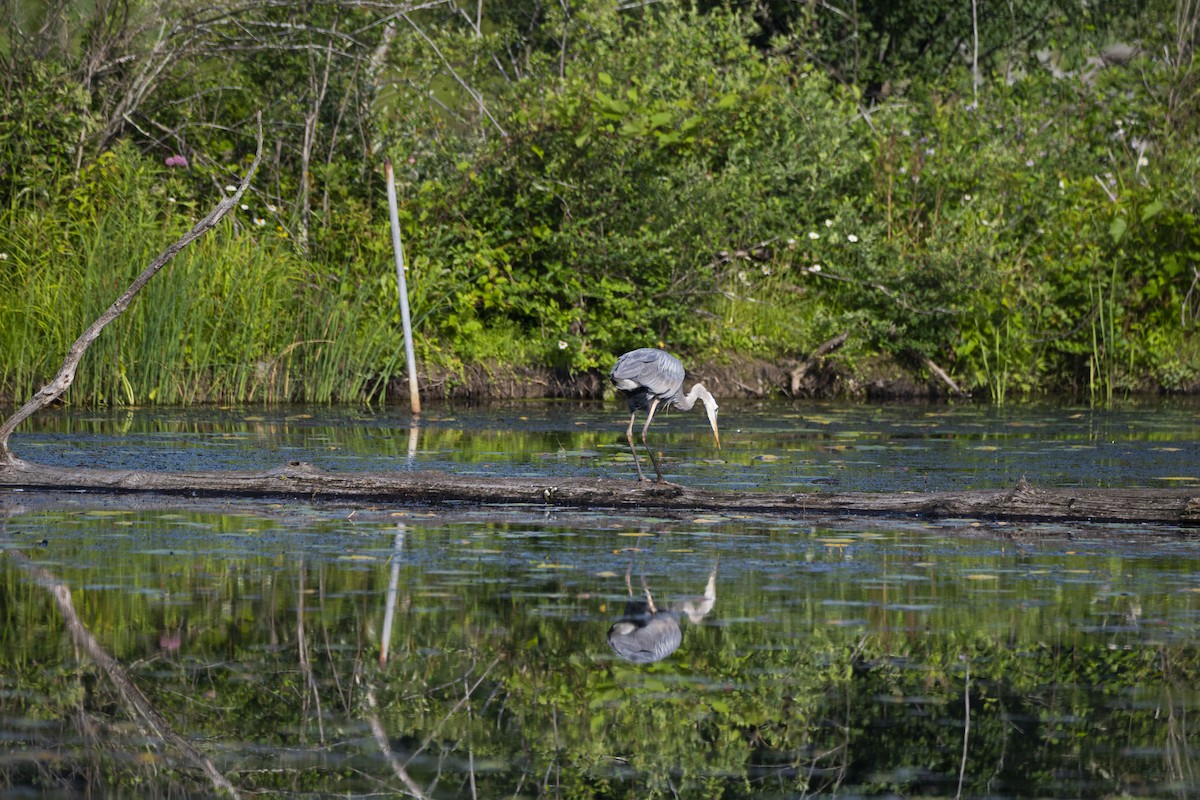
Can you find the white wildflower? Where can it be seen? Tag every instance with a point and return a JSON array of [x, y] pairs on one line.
[[245, 207], [1143, 162], [966, 198], [259, 222], [814, 235], [766, 270], [231, 189], [828, 223], [852, 238], [815, 268], [562, 345], [272, 207]]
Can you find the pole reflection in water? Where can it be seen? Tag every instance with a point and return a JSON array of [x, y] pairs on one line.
[[389, 611], [644, 634], [413, 433]]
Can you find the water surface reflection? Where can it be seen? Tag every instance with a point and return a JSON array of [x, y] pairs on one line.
[[646, 633], [863, 657], [767, 446]]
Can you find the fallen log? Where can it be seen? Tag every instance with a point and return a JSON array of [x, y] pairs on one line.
[[302, 481]]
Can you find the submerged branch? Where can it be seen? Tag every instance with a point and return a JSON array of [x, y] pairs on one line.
[[132, 697]]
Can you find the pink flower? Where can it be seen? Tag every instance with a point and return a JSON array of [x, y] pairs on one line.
[[176, 161]]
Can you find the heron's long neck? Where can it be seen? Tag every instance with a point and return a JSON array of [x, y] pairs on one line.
[[698, 392]]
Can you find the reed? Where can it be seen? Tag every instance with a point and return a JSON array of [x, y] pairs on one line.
[[1103, 359], [238, 317]]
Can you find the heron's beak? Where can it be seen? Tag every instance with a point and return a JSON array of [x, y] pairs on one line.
[[712, 419]]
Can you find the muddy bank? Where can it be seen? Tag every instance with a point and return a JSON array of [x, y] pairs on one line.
[[742, 378], [880, 378], [813, 377]]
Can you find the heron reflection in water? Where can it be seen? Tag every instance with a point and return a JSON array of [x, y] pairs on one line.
[[645, 633]]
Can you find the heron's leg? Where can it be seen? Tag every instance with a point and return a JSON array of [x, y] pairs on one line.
[[629, 436], [646, 427], [649, 599]]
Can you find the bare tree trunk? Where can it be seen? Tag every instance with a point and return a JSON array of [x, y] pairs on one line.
[[975, 53], [66, 375], [366, 114], [318, 86]]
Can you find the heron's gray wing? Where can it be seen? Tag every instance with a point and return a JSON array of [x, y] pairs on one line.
[[645, 644], [656, 371]]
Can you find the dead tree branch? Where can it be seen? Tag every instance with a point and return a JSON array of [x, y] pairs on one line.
[[797, 374], [476, 96], [944, 377]]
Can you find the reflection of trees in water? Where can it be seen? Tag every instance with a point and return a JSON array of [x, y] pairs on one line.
[[131, 699], [283, 665]]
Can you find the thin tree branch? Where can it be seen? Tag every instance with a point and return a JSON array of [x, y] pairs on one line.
[[944, 376], [466, 87]]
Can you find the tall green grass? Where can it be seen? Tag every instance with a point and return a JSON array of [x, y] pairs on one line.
[[236, 317]]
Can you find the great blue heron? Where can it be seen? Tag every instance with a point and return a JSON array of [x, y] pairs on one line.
[[649, 378]]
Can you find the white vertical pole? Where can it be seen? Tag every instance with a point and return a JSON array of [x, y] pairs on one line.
[[413, 390]]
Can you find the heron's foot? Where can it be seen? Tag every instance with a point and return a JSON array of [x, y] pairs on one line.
[[661, 481]]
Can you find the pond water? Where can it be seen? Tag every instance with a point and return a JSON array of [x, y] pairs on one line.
[[776, 447], [314, 651]]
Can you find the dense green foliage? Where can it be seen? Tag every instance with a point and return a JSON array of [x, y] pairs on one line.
[[1011, 197]]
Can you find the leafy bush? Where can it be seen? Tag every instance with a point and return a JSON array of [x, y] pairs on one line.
[[579, 180]]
